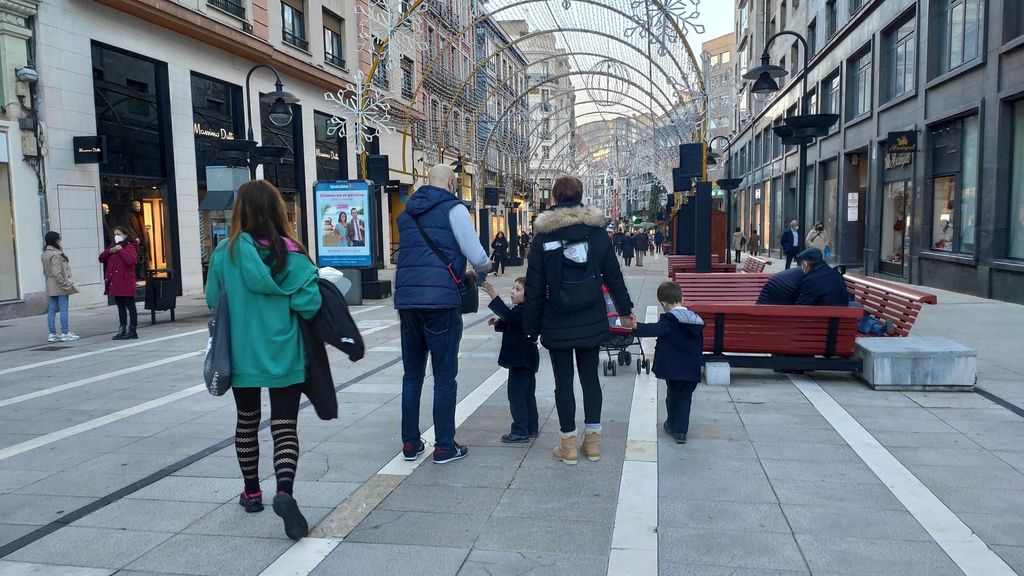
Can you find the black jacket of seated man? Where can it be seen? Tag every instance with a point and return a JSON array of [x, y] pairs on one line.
[[822, 284]]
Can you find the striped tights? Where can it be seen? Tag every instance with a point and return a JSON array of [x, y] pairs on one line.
[[284, 411]]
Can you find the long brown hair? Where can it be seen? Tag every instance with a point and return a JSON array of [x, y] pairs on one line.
[[259, 210]]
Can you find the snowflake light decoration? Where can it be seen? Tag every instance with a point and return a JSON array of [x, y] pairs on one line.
[[384, 21], [651, 21], [365, 107]]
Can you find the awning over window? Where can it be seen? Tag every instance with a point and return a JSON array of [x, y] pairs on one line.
[[217, 200]]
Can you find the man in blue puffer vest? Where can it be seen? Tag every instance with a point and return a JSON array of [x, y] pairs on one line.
[[430, 309]]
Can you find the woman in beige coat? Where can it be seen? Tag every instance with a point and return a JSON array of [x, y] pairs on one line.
[[817, 238], [57, 270]]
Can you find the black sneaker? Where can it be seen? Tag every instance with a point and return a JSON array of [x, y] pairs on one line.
[[668, 430], [442, 456], [534, 434], [680, 438], [514, 439], [287, 508], [412, 451], [251, 502]]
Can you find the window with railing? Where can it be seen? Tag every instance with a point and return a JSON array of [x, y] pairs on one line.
[[334, 29], [381, 75], [408, 77], [233, 7], [293, 24]]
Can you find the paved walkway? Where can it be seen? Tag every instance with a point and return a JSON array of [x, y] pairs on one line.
[[113, 459]]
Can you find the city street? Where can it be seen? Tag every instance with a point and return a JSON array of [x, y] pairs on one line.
[[115, 460]]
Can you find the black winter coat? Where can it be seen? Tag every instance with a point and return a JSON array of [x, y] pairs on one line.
[[559, 329], [782, 288], [823, 286], [680, 336], [332, 324], [517, 351]]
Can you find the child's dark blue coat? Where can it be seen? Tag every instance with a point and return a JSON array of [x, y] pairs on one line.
[[680, 336], [517, 351]]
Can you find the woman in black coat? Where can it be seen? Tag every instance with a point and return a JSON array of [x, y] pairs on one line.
[[499, 250], [628, 248], [571, 256]]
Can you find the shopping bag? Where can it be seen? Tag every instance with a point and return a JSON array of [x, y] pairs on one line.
[[828, 252], [217, 364]]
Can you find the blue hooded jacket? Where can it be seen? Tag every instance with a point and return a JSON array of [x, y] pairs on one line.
[[421, 281]]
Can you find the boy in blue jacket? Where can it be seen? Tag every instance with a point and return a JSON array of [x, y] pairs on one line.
[[677, 359], [519, 354]]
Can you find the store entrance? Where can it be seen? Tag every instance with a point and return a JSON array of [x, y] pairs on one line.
[[140, 206]]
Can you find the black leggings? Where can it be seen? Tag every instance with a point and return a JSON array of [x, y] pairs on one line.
[[565, 399], [126, 309], [284, 414]]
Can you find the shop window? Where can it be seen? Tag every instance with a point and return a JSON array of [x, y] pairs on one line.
[[955, 156], [900, 48], [859, 92], [334, 30], [1016, 247], [8, 254], [331, 150], [293, 23], [956, 36]]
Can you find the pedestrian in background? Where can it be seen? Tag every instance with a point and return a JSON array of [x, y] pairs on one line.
[[499, 253], [262, 268], [818, 238], [571, 258], [677, 359], [754, 243], [659, 239], [59, 286], [120, 259], [789, 243], [628, 249], [520, 356], [642, 243], [737, 243]]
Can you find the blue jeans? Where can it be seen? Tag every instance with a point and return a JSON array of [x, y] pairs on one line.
[[437, 332], [55, 302]]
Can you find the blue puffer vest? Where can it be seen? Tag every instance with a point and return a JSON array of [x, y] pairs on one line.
[[421, 280]]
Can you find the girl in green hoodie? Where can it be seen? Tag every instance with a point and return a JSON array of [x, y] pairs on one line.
[[270, 283]]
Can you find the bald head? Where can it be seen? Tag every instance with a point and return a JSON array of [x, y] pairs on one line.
[[442, 176]]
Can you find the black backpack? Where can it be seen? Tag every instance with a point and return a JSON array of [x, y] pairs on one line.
[[576, 286]]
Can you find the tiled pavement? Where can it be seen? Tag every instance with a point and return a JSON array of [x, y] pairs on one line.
[[765, 486]]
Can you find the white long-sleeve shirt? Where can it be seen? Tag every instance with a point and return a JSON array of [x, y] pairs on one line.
[[465, 235]]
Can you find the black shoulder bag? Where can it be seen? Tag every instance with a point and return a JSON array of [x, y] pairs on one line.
[[466, 286]]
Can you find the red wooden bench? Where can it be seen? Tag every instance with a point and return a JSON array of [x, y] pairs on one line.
[[780, 337], [755, 265], [889, 301], [721, 287], [688, 263]]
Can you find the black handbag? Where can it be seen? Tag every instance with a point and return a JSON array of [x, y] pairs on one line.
[[465, 282], [217, 364]]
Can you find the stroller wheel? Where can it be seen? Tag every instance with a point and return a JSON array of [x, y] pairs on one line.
[[638, 367], [604, 369], [629, 358], [613, 370], [621, 358]]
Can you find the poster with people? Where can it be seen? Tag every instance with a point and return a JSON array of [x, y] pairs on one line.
[[343, 224]]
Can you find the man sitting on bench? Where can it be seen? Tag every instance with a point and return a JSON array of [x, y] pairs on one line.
[[782, 288], [822, 285]]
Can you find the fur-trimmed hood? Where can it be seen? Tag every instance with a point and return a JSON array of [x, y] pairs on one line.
[[558, 218]]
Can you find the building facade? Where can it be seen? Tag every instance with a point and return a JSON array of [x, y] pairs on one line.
[[922, 178], [717, 56]]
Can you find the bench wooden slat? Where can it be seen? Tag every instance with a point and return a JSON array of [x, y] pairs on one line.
[[788, 330], [888, 301]]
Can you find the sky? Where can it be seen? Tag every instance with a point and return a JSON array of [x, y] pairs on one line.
[[717, 18]]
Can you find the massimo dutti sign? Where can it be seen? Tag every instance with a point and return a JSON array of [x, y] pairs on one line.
[[90, 149]]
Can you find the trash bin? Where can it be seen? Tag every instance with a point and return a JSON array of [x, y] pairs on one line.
[[161, 292]]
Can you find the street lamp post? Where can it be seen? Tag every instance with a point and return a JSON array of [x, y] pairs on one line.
[[801, 129], [280, 114]]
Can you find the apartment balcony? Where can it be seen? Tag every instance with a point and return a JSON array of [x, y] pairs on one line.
[[444, 14], [233, 7]]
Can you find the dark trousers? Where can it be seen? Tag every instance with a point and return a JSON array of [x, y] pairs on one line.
[[522, 401], [738, 255], [565, 399], [628, 259], [677, 402], [438, 333], [498, 263], [126, 309], [790, 255]]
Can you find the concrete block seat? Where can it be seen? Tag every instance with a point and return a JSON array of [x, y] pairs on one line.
[[917, 363]]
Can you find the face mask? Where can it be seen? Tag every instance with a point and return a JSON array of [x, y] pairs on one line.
[[118, 239]]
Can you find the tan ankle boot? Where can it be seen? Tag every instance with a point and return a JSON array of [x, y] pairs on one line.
[[592, 445], [566, 450]]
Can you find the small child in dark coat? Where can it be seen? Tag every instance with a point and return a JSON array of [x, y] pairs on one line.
[[677, 359], [519, 354]]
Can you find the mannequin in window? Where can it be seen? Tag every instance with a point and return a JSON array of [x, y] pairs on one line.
[[108, 227], [137, 231]]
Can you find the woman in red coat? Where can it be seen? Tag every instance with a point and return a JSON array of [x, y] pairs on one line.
[[120, 258]]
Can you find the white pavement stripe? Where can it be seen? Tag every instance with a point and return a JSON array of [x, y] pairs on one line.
[[9, 568], [380, 328], [98, 378], [400, 467], [145, 342], [24, 367], [960, 543], [634, 549], [302, 557], [52, 437]]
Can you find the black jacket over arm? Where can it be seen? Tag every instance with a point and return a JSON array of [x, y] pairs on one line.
[[559, 329], [517, 351]]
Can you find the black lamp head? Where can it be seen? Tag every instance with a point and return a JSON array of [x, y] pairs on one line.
[[280, 104], [764, 77]]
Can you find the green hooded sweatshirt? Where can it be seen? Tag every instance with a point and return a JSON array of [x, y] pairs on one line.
[[266, 342]]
